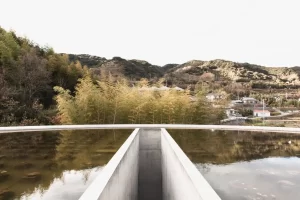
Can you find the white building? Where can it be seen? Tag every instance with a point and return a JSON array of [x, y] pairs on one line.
[[261, 113], [213, 96]]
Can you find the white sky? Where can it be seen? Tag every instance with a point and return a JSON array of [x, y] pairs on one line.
[[265, 32]]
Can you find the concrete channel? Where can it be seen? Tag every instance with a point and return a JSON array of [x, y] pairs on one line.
[[150, 166]]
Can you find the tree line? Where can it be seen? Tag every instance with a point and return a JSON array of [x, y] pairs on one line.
[[28, 74]]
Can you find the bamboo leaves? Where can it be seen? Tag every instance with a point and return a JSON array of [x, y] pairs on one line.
[[116, 102]]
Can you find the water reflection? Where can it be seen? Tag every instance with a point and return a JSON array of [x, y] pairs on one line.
[[72, 184], [245, 165], [32, 165], [269, 178]]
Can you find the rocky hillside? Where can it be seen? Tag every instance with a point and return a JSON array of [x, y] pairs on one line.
[[193, 71], [88, 60], [217, 70]]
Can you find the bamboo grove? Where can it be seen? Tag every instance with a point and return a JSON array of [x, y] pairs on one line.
[[117, 102]]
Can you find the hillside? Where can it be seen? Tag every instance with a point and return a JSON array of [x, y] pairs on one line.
[[28, 74], [119, 67], [194, 71], [88, 60], [132, 69], [218, 70]]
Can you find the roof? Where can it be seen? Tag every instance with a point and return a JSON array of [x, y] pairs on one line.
[[236, 101], [248, 98]]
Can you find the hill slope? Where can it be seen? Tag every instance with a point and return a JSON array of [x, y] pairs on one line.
[[193, 71]]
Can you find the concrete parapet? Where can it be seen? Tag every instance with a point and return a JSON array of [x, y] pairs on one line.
[[181, 179], [150, 165], [119, 178]]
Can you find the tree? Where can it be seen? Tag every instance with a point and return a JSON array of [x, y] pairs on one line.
[[64, 73], [28, 74], [207, 77], [236, 89], [33, 77]]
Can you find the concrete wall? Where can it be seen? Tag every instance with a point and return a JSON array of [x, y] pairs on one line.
[[150, 166], [180, 178], [14, 129], [119, 178], [150, 177]]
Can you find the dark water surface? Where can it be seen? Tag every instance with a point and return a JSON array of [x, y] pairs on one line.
[[245, 165], [61, 165], [54, 165]]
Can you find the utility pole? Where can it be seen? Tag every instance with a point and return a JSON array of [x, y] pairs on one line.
[[263, 102]]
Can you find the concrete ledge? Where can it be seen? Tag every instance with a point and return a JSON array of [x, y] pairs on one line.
[[13, 129], [181, 179], [119, 178]]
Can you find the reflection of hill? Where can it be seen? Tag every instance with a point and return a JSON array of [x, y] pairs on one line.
[[50, 154], [222, 147]]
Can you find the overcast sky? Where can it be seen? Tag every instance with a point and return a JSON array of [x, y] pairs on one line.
[[265, 32]]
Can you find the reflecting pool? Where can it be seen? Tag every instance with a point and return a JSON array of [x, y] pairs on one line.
[[245, 165], [61, 165], [54, 165]]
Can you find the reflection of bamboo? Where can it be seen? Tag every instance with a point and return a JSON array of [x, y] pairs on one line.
[[230, 147], [47, 150]]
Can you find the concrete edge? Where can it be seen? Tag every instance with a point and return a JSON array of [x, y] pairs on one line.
[[97, 186], [204, 189], [14, 129]]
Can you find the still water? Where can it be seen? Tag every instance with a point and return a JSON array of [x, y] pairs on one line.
[[54, 165], [61, 165], [245, 165]]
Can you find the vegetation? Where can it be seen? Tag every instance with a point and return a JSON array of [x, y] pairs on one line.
[[224, 147], [110, 90], [109, 102], [221, 72], [28, 74], [245, 112]]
